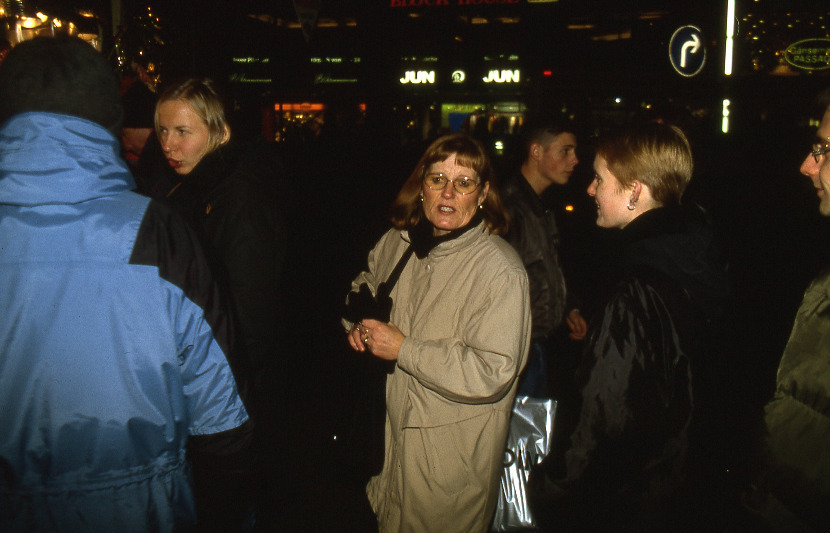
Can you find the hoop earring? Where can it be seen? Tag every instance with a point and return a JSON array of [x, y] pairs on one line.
[[631, 205]]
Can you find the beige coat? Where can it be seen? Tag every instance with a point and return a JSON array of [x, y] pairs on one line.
[[465, 311]]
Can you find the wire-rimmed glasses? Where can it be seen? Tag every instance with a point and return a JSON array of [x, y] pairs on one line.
[[462, 184], [818, 150]]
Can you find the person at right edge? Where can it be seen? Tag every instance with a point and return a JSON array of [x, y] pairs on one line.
[[549, 152], [627, 460], [796, 476], [457, 339]]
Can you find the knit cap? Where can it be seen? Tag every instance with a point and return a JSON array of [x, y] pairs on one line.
[[60, 74]]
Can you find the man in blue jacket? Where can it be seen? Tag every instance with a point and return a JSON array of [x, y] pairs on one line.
[[113, 338]]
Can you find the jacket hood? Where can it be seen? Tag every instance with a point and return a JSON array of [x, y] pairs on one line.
[[49, 158], [680, 243]]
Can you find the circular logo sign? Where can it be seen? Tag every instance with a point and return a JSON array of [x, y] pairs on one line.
[[686, 51]]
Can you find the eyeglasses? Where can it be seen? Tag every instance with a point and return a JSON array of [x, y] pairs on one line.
[[819, 150], [462, 184]]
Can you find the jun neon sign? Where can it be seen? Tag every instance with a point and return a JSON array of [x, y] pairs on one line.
[[502, 76], [418, 77]]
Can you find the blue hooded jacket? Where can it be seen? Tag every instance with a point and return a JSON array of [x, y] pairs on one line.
[[112, 340]]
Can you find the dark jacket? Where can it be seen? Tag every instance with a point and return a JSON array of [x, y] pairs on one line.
[[797, 419], [232, 199], [629, 451], [533, 233]]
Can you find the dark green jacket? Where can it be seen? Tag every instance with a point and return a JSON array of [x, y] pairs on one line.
[[798, 417]]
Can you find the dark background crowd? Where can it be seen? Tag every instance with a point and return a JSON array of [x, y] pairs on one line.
[[341, 184]]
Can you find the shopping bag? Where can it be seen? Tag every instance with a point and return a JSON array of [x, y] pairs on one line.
[[528, 443]]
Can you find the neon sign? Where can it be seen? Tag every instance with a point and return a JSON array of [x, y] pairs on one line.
[[809, 54], [418, 77], [502, 76]]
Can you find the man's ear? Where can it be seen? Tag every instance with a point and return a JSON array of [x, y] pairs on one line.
[[536, 151]]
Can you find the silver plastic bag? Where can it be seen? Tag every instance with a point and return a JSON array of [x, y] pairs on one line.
[[528, 442]]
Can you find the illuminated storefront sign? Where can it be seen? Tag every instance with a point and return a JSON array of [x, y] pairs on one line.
[[250, 77], [444, 3], [458, 76], [809, 54], [245, 78], [252, 60], [325, 79], [418, 77], [502, 76]]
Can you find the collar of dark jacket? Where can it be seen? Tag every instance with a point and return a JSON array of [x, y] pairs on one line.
[[520, 188]]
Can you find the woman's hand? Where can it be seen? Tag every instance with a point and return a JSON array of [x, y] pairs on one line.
[[356, 336], [383, 340]]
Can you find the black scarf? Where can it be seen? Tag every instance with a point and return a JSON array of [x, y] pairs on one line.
[[424, 240]]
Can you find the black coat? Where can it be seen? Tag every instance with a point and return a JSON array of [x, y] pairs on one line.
[[232, 198], [628, 454]]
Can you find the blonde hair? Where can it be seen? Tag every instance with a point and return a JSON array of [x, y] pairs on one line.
[[203, 97], [658, 155]]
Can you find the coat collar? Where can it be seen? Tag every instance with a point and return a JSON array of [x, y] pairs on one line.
[[444, 247], [521, 188], [49, 158]]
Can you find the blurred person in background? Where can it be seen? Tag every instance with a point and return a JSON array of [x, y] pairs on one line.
[[141, 148], [139, 49], [5, 48], [628, 456], [797, 419], [113, 339], [549, 158], [457, 334]]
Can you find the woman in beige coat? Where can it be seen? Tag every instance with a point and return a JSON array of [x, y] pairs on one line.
[[459, 332]]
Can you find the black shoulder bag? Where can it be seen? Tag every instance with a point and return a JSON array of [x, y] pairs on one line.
[[363, 304], [361, 450]]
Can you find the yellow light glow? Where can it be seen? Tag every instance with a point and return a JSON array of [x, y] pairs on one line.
[[725, 113], [730, 34], [29, 22]]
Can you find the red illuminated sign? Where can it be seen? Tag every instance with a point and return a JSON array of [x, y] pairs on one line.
[[440, 3]]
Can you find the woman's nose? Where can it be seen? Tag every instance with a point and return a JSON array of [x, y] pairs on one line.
[[592, 188], [449, 190]]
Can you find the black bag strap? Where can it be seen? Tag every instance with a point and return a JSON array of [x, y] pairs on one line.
[[386, 288]]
